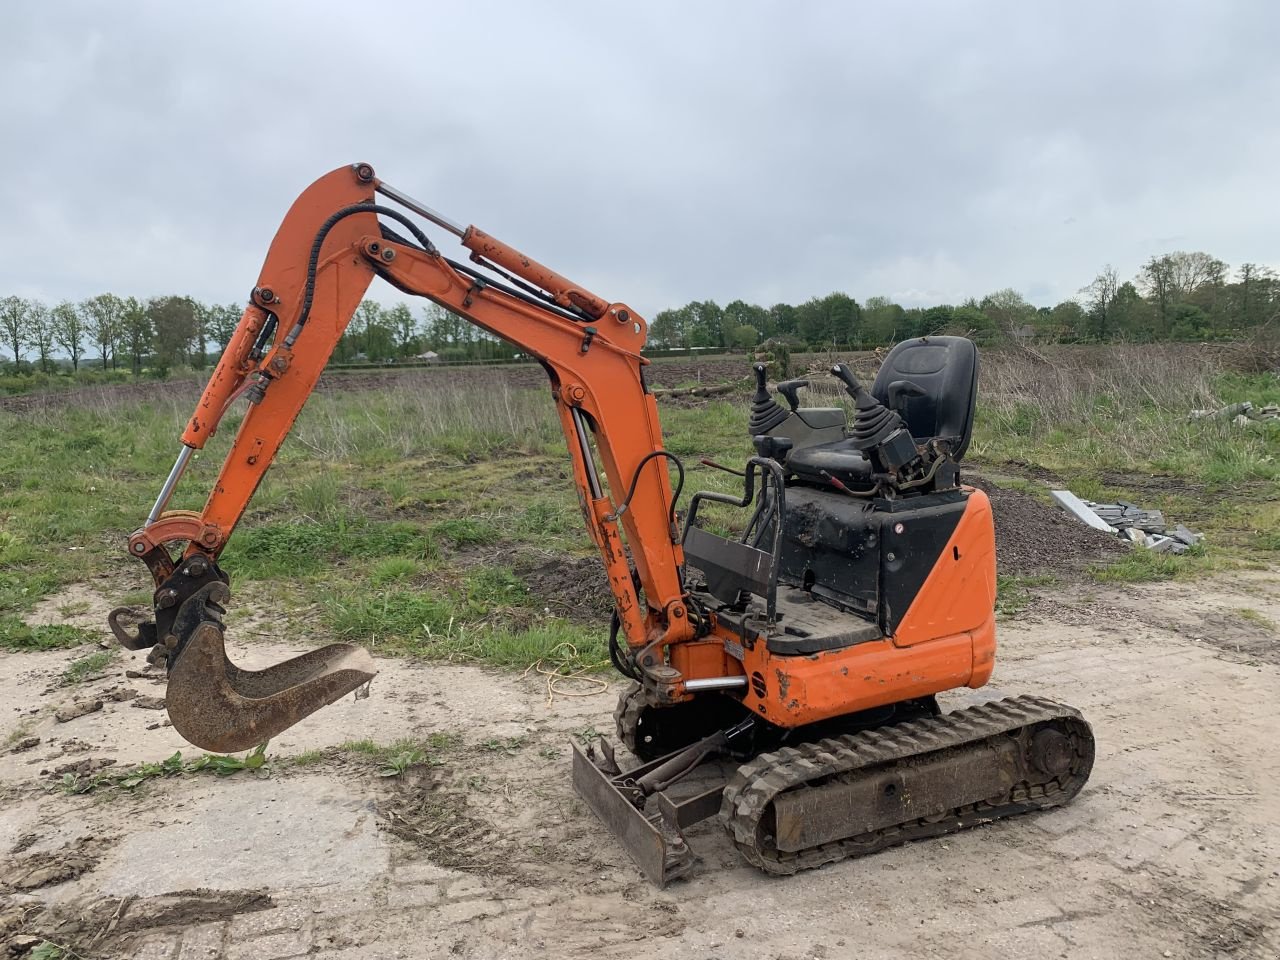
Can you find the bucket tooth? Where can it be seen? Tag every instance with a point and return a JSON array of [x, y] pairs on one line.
[[221, 707]]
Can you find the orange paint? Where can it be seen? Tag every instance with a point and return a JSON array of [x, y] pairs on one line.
[[960, 592]]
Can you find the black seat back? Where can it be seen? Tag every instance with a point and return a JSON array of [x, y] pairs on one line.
[[946, 369]]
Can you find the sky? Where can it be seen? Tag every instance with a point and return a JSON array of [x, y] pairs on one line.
[[654, 152]]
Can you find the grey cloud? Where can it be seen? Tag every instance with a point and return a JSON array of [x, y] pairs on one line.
[[657, 153]]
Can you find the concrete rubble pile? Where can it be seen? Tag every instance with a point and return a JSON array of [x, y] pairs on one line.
[[1241, 414], [1142, 528]]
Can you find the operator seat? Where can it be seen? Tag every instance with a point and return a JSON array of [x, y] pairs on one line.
[[932, 382]]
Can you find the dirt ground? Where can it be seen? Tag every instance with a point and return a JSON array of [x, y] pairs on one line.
[[1033, 538], [1172, 850]]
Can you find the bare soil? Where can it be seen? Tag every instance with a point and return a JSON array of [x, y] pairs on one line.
[[1034, 538], [572, 587], [482, 850]]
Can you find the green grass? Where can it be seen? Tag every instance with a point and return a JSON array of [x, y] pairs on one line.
[[17, 635], [1115, 414], [433, 745], [1146, 566], [383, 504], [570, 647], [295, 548], [467, 531], [436, 628], [394, 759], [398, 612], [1257, 618], [463, 624], [394, 570], [88, 668], [1115, 426], [1268, 540], [1014, 594], [389, 616], [491, 587], [318, 495]]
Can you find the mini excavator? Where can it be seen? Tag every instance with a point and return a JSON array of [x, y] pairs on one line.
[[784, 679]]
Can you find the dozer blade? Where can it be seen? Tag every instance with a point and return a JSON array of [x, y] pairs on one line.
[[653, 835], [218, 706]]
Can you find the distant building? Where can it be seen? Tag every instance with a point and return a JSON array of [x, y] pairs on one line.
[[427, 356]]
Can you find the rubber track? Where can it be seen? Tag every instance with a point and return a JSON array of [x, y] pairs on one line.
[[751, 791]]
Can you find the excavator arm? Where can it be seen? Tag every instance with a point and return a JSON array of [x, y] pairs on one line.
[[326, 253]]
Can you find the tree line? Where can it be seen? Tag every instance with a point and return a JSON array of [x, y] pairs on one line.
[[160, 333], [114, 332], [1175, 296], [379, 334]]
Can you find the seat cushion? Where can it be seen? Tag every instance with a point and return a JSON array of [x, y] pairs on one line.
[[837, 458]]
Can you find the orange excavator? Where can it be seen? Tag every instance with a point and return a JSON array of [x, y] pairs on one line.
[[784, 679]]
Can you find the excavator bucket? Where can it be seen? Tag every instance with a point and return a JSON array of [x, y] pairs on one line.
[[218, 706]]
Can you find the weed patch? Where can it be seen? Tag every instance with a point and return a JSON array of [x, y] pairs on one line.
[[16, 635], [1268, 540], [1257, 618], [299, 548], [87, 668], [1014, 594], [174, 766], [394, 570], [385, 616], [396, 755], [467, 531], [1146, 566]]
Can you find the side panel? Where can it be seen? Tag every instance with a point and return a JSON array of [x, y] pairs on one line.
[[959, 593], [794, 691]]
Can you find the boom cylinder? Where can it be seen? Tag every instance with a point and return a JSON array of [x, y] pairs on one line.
[[565, 291]]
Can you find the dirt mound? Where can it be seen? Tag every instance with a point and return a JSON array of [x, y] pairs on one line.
[[572, 587], [1033, 538]]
